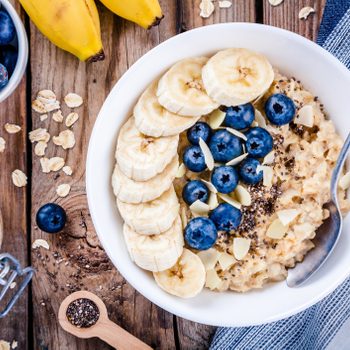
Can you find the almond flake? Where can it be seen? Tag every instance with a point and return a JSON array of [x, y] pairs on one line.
[[269, 158], [207, 8], [286, 216], [63, 190], [71, 119], [65, 139], [56, 163], [45, 165], [199, 207], [216, 118], [243, 195], [237, 160], [276, 230], [183, 217], [67, 170], [267, 173], [259, 118], [209, 258], [241, 247], [210, 186], [181, 171], [73, 100], [226, 261], [43, 117], [39, 134], [228, 199], [2, 145], [19, 178], [40, 148], [208, 157], [57, 116], [12, 128], [275, 2], [213, 201], [344, 182], [305, 12], [305, 116], [38, 106], [237, 133], [225, 4], [212, 280], [40, 243]]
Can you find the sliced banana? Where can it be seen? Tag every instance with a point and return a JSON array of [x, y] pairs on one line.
[[185, 279], [131, 191], [154, 217], [236, 76], [181, 89], [154, 120], [142, 157], [156, 252]]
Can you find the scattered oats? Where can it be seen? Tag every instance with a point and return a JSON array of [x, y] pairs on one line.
[[43, 117], [276, 230], [228, 199], [46, 96], [243, 196], [241, 247], [181, 171], [39, 107], [73, 100], [63, 190], [13, 285], [212, 280], [344, 182], [45, 165], [12, 128], [208, 157], [19, 178], [216, 118], [286, 216], [71, 119], [14, 344], [200, 208], [40, 243], [305, 116], [237, 160], [40, 148], [275, 2], [65, 139], [39, 134], [67, 170], [305, 12], [237, 133], [209, 258], [2, 145], [207, 8], [56, 163], [225, 4], [57, 116], [4, 345]]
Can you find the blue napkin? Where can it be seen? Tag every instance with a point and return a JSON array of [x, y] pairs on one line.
[[314, 328]]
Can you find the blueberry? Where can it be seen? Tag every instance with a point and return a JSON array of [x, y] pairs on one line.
[[248, 173], [279, 109], [4, 76], [226, 217], [199, 130], [193, 158], [200, 233], [240, 117], [51, 218], [224, 178], [8, 57], [259, 142], [7, 28], [225, 146], [195, 190]]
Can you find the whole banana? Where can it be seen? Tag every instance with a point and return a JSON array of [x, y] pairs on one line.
[[72, 25], [146, 13]]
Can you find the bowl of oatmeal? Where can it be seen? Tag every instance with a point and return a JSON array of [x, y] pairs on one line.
[[244, 270]]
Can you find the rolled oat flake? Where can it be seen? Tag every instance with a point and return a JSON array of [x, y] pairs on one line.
[[82, 313]]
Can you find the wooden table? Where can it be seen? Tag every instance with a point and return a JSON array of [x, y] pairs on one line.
[[33, 321]]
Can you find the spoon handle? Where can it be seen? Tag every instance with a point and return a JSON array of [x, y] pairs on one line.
[[119, 338]]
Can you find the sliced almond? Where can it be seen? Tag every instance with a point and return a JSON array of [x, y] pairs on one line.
[[305, 116], [209, 258], [43, 117], [216, 118], [210, 186], [63, 190], [286, 216], [2, 144], [344, 182], [267, 175], [56, 163], [225, 4], [39, 134], [228, 199], [237, 160], [12, 128], [65, 139], [241, 247], [259, 118], [305, 12], [183, 217], [71, 119], [67, 170], [269, 158], [276, 230], [237, 133], [40, 243], [213, 201], [207, 8], [181, 171], [275, 2], [200, 208], [40, 148], [57, 116], [212, 280], [73, 100], [243, 196], [226, 261], [19, 178], [208, 157]]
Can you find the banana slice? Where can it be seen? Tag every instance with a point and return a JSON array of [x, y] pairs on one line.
[[151, 218], [181, 89], [142, 157], [156, 252], [154, 120], [131, 191], [186, 279], [237, 76]]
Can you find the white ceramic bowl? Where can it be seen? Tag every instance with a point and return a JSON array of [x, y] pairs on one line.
[[293, 55], [22, 52]]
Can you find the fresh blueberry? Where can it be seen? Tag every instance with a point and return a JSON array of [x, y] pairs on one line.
[[8, 57], [240, 117], [4, 76], [51, 218], [200, 233], [226, 217], [259, 142], [193, 158], [225, 146], [279, 109], [199, 130], [248, 173], [7, 28], [224, 178], [195, 190]]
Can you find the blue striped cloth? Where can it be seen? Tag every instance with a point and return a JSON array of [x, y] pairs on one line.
[[314, 328]]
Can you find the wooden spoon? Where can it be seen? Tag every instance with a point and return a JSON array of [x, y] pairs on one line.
[[104, 328]]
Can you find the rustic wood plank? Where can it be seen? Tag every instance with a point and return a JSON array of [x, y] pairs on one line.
[[13, 204]]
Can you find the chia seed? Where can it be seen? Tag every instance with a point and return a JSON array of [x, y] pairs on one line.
[[82, 313]]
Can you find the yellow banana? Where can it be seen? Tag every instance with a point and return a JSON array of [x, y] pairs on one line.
[[72, 25], [145, 13]]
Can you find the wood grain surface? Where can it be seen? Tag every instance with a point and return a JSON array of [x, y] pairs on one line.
[[75, 260]]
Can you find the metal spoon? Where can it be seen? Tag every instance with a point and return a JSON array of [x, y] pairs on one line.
[[327, 234]]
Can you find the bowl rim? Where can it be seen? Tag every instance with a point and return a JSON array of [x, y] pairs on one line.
[[89, 184], [22, 58]]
